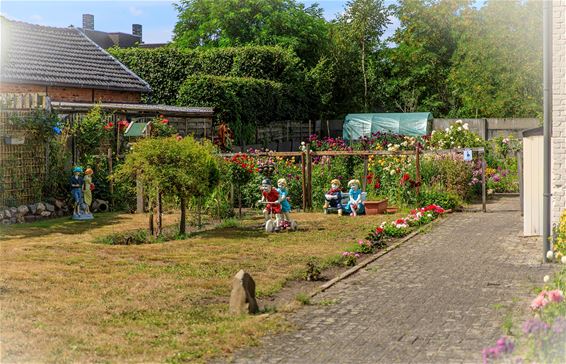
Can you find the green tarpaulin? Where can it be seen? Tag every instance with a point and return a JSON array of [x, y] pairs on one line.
[[363, 125]]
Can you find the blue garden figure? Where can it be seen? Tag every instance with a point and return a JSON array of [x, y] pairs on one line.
[[355, 204], [333, 198], [77, 182], [284, 198]]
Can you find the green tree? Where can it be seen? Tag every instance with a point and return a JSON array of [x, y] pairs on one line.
[[416, 68], [212, 23], [166, 166], [364, 22], [497, 67]]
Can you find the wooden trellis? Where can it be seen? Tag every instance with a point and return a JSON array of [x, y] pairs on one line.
[[22, 166]]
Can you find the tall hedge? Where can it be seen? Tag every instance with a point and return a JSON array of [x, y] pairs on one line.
[[166, 68], [241, 101]]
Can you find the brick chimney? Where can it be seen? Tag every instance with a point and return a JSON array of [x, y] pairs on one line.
[[88, 21], [137, 30]]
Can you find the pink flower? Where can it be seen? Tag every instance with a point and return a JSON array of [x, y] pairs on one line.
[[361, 242], [540, 301], [555, 296]]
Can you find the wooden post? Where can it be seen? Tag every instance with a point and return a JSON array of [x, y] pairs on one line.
[[417, 170], [309, 179], [365, 180], [328, 128], [151, 226], [310, 128], [304, 180], [110, 171], [483, 191]]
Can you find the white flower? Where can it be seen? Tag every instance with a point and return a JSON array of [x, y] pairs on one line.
[[459, 121], [392, 172], [459, 128], [466, 127], [549, 255], [546, 278], [447, 129], [563, 260], [434, 131]]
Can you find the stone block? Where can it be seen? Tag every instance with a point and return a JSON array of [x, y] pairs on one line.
[[242, 298]]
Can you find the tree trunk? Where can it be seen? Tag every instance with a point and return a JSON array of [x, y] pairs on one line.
[[159, 214], [240, 201], [151, 227], [365, 76], [183, 224]]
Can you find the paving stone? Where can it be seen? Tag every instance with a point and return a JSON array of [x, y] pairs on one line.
[[431, 300]]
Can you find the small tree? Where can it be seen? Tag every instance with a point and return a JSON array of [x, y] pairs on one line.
[[167, 166], [241, 168]]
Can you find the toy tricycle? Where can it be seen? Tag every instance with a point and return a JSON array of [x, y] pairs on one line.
[[276, 222]]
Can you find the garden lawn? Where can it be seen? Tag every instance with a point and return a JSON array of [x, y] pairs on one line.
[[65, 298]]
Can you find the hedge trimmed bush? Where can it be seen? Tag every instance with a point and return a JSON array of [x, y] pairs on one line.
[[166, 68], [236, 100]]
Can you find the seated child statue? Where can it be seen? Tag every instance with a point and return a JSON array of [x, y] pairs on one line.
[[355, 205], [284, 198], [333, 198]]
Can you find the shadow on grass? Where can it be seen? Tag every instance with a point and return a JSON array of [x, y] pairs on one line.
[[60, 225], [230, 233]]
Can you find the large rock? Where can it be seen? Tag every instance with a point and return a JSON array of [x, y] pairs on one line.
[[7, 214], [20, 219], [45, 213], [6, 222], [59, 204], [23, 210], [40, 208], [1, 214], [49, 207], [13, 211], [242, 298], [32, 208]]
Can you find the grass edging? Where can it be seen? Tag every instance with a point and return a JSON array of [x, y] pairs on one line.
[[372, 258]]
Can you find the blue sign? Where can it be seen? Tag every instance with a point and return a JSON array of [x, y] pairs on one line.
[[467, 155]]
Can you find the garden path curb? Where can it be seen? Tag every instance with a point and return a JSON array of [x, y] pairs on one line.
[[373, 258]]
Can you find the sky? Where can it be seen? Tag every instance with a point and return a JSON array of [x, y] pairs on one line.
[[157, 17]]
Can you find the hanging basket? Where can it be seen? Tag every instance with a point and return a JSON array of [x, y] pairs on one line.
[[14, 140]]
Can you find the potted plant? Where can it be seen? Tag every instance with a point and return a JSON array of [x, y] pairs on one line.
[[375, 204]]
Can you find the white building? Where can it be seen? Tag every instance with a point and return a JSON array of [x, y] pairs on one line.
[[558, 168]]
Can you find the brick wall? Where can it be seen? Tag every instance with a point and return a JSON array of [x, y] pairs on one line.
[[74, 93], [558, 178]]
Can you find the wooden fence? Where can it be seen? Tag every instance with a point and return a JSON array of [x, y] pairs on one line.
[[307, 157]]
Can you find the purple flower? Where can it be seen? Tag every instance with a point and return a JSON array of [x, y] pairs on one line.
[[533, 326], [559, 325], [496, 178]]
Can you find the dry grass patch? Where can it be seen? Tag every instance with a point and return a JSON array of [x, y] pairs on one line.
[[67, 299]]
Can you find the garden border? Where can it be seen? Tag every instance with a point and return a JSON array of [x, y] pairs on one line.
[[373, 258]]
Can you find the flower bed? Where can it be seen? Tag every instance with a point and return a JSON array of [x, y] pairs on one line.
[[388, 230]]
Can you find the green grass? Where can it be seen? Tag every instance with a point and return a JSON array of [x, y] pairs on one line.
[[303, 298], [85, 301]]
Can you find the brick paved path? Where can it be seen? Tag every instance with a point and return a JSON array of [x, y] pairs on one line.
[[437, 299]]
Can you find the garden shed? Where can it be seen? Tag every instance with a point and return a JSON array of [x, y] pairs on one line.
[[532, 181], [357, 126]]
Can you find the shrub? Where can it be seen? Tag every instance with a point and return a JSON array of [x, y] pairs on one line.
[[125, 238], [560, 242], [456, 135], [432, 196], [166, 68]]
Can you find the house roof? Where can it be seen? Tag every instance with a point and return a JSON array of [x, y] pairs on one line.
[[106, 40], [41, 55], [140, 109]]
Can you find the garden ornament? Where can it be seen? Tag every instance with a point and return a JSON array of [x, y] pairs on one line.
[[333, 198], [355, 204], [88, 187], [271, 198], [284, 201], [76, 183]]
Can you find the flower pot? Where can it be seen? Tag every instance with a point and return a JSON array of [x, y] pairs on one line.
[[392, 210], [375, 207], [14, 140]]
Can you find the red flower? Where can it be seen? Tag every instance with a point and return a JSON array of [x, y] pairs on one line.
[[123, 124], [378, 230], [164, 121], [369, 177], [377, 185], [404, 179], [109, 126], [413, 212], [400, 221]]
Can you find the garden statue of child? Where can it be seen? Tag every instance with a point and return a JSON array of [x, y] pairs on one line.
[[284, 198], [333, 198], [355, 204], [76, 182], [270, 196], [88, 187]]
